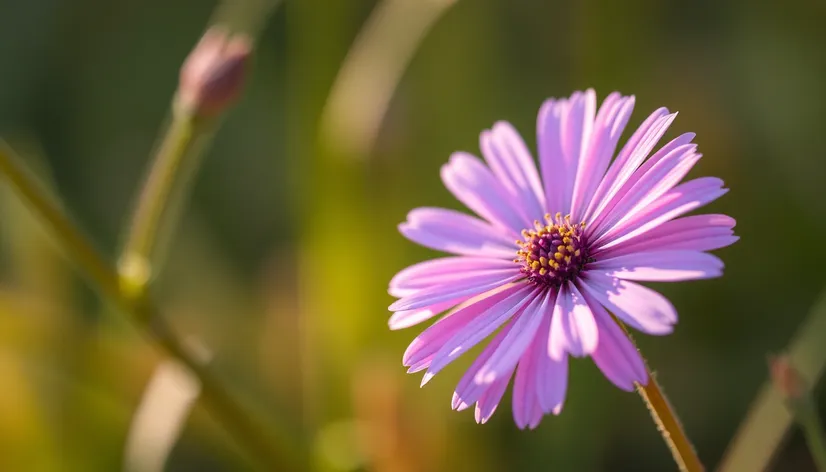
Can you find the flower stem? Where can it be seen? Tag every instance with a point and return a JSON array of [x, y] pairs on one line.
[[669, 426], [249, 433], [41, 202], [813, 430], [664, 416], [797, 393], [175, 161]]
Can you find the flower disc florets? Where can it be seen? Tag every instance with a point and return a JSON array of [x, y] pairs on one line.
[[553, 253]]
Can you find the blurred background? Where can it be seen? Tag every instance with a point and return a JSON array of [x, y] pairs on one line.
[[281, 260]]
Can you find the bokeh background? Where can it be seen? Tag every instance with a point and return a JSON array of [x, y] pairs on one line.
[[282, 257]]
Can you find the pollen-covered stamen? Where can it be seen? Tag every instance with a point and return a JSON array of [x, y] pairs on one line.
[[553, 253]]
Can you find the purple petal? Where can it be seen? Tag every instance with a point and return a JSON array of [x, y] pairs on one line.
[[637, 306], [473, 184], [628, 160], [468, 391], [517, 341], [646, 185], [526, 409], [574, 319], [479, 328], [466, 287], [616, 356], [677, 201], [408, 318], [512, 163], [489, 400], [557, 338], [556, 171], [662, 266], [577, 129], [697, 233], [563, 131], [457, 233], [433, 338], [552, 375], [446, 270], [608, 126]]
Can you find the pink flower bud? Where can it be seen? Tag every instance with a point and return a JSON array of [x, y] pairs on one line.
[[786, 378], [212, 77]]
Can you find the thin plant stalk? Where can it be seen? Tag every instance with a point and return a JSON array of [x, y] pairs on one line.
[[163, 192], [367, 81], [225, 408], [763, 431], [40, 200], [666, 419], [812, 427], [797, 394], [669, 426]]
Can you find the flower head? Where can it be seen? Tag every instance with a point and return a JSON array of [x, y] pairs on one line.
[[556, 252]]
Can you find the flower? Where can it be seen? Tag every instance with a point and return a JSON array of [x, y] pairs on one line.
[[553, 259]]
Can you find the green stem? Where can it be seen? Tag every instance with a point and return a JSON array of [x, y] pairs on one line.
[[666, 419], [176, 159], [761, 434], [40, 200], [248, 432], [797, 394], [815, 437]]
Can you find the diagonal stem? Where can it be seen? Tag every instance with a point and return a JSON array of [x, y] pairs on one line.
[[815, 437], [666, 419], [225, 408], [39, 199], [160, 199], [669, 425]]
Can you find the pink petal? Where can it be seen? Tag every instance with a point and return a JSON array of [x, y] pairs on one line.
[[433, 338], [479, 328], [646, 185], [446, 270], [473, 184], [517, 341], [573, 318], [466, 287], [489, 400], [662, 266], [677, 201], [555, 168], [608, 126], [577, 129], [628, 160], [697, 232], [637, 306], [563, 132], [458, 233], [408, 318], [552, 375], [513, 165], [616, 356], [526, 409], [469, 391]]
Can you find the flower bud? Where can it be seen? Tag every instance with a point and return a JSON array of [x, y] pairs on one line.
[[212, 77], [786, 378]]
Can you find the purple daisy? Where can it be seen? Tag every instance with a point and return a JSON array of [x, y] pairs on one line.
[[553, 257]]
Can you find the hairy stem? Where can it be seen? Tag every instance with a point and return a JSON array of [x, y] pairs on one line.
[[666, 419], [669, 426]]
